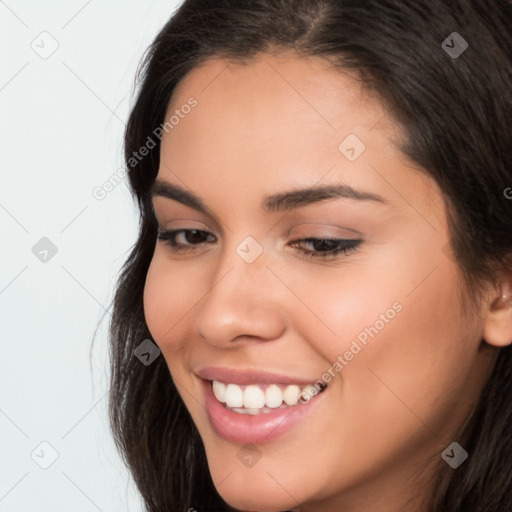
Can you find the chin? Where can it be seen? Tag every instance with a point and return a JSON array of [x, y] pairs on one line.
[[252, 489], [257, 500]]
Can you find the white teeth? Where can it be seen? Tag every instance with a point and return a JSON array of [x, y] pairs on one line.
[[291, 394], [273, 396], [219, 390], [254, 397], [234, 396]]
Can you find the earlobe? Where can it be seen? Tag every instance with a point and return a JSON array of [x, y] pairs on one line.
[[498, 316]]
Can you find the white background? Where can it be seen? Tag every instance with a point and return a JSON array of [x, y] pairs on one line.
[[61, 125]]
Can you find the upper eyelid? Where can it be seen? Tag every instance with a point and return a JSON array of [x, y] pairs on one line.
[[208, 214], [302, 225], [202, 226], [305, 238]]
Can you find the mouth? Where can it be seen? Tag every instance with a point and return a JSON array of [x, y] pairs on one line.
[[257, 399], [249, 407]]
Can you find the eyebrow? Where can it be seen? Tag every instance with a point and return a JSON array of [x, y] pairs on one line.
[[274, 203]]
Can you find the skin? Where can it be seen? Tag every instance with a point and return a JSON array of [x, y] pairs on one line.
[[274, 125]]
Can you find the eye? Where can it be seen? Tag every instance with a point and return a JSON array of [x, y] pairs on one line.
[[327, 247], [185, 240], [188, 238]]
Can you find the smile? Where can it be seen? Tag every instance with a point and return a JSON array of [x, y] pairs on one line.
[[256, 407], [258, 398]]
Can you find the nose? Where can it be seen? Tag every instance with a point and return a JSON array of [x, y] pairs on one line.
[[243, 303]]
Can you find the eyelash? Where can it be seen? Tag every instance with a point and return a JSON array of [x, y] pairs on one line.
[[344, 246]]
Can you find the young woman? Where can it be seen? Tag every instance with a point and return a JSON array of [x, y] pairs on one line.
[[324, 259]]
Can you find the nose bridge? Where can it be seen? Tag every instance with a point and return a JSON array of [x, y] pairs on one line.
[[241, 300]]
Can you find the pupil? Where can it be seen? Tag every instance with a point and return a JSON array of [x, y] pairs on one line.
[[324, 245], [194, 236]]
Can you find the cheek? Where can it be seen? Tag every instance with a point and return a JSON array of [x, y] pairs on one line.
[[168, 297], [393, 334], [417, 365], [340, 305], [401, 304]]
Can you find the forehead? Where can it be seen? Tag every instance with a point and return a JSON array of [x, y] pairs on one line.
[[290, 106], [284, 81], [278, 122]]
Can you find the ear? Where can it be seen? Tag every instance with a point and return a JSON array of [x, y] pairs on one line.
[[498, 314]]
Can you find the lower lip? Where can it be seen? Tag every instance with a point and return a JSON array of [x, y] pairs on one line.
[[256, 429]]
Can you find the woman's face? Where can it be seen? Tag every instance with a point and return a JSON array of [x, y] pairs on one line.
[[275, 153]]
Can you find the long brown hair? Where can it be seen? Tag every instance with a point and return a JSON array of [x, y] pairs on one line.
[[457, 115]]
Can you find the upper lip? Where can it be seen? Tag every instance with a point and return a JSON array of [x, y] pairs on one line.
[[246, 377]]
